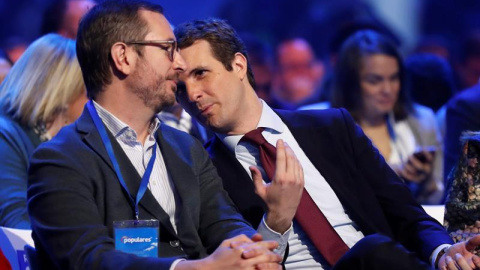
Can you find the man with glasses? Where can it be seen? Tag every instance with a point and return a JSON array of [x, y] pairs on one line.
[[119, 190]]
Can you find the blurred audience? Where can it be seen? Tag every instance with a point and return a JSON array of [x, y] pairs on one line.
[[63, 16], [13, 47], [345, 30], [431, 83], [431, 80], [260, 56], [463, 114], [5, 65], [468, 66], [369, 82], [43, 92], [298, 75], [434, 44]]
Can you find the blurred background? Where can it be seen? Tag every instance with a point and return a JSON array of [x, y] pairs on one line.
[[447, 28], [318, 21], [440, 26]]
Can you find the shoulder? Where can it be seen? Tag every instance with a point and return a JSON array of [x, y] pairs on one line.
[[422, 118], [8, 125], [466, 98], [316, 106], [420, 111], [12, 131], [318, 118], [66, 138]]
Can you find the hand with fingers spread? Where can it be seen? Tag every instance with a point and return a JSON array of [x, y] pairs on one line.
[[282, 195], [418, 167], [238, 252], [460, 256]]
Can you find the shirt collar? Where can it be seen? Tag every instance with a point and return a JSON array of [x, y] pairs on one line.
[[268, 120], [118, 128]]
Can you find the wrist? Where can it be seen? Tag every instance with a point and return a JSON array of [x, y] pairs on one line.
[[439, 256], [191, 265], [277, 223]]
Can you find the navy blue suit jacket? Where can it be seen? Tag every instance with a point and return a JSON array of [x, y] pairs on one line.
[[74, 196], [463, 114], [371, 193]]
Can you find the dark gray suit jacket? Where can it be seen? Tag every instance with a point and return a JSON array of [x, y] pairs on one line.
[[371, 193], [74, 196]]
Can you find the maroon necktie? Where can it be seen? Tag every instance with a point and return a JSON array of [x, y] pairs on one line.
[[308, 215]]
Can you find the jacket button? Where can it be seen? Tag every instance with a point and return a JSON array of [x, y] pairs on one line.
[[174, 243]]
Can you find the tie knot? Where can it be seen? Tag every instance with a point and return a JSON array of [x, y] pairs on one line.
[[255, 136]]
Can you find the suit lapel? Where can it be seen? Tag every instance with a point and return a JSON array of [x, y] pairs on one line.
[[237, 182], [92, 137], [130, 175], [321, 149], [186, 187]]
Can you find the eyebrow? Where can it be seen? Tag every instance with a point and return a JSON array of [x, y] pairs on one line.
[[197, 69]]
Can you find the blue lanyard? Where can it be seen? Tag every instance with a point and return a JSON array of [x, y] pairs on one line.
[[108, 145]]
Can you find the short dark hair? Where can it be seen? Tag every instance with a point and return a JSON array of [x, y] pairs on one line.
[[104, 25], [431, 79], [223, 39], [346, 83]]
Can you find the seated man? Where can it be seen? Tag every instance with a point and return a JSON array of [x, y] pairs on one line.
[[354, 212], [117, 178]]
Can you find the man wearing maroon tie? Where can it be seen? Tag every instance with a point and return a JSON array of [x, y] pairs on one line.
[[353, 211]]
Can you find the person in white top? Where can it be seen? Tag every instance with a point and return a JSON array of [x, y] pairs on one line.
[[365, 202], [369, 81]]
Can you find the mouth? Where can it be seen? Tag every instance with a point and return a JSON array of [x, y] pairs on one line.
[[173, 78], [386, 101], [204, 110]]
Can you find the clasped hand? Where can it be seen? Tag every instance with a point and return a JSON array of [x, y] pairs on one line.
[[460, 256], [238, 253]]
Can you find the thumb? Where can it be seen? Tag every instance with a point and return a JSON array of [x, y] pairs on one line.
[[472, 243], [260, 187]]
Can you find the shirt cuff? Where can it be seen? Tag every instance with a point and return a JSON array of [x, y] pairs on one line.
[[174, 264], [270, 235], [435, 254]]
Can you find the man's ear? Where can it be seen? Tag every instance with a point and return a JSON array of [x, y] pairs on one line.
[[123, 57], [239, 65]]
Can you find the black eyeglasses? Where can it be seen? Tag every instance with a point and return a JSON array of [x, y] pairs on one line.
[[169, 49]]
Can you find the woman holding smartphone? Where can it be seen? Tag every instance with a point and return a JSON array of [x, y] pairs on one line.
[[369, 83]]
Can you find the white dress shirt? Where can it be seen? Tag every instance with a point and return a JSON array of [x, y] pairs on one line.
[[160, 183], [302, 253]]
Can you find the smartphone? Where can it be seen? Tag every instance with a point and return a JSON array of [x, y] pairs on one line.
[[419, 154]]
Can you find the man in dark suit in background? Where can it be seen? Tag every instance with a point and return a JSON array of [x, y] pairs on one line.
[[119, 163], [370, 209], [463, 114]]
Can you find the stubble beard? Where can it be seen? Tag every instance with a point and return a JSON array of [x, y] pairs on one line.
[[154, 94]]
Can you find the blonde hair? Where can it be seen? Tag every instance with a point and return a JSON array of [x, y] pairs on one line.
[[42, 83]]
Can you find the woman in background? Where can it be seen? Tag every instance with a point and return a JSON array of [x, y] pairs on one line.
[[369, 83], [43, 91]]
